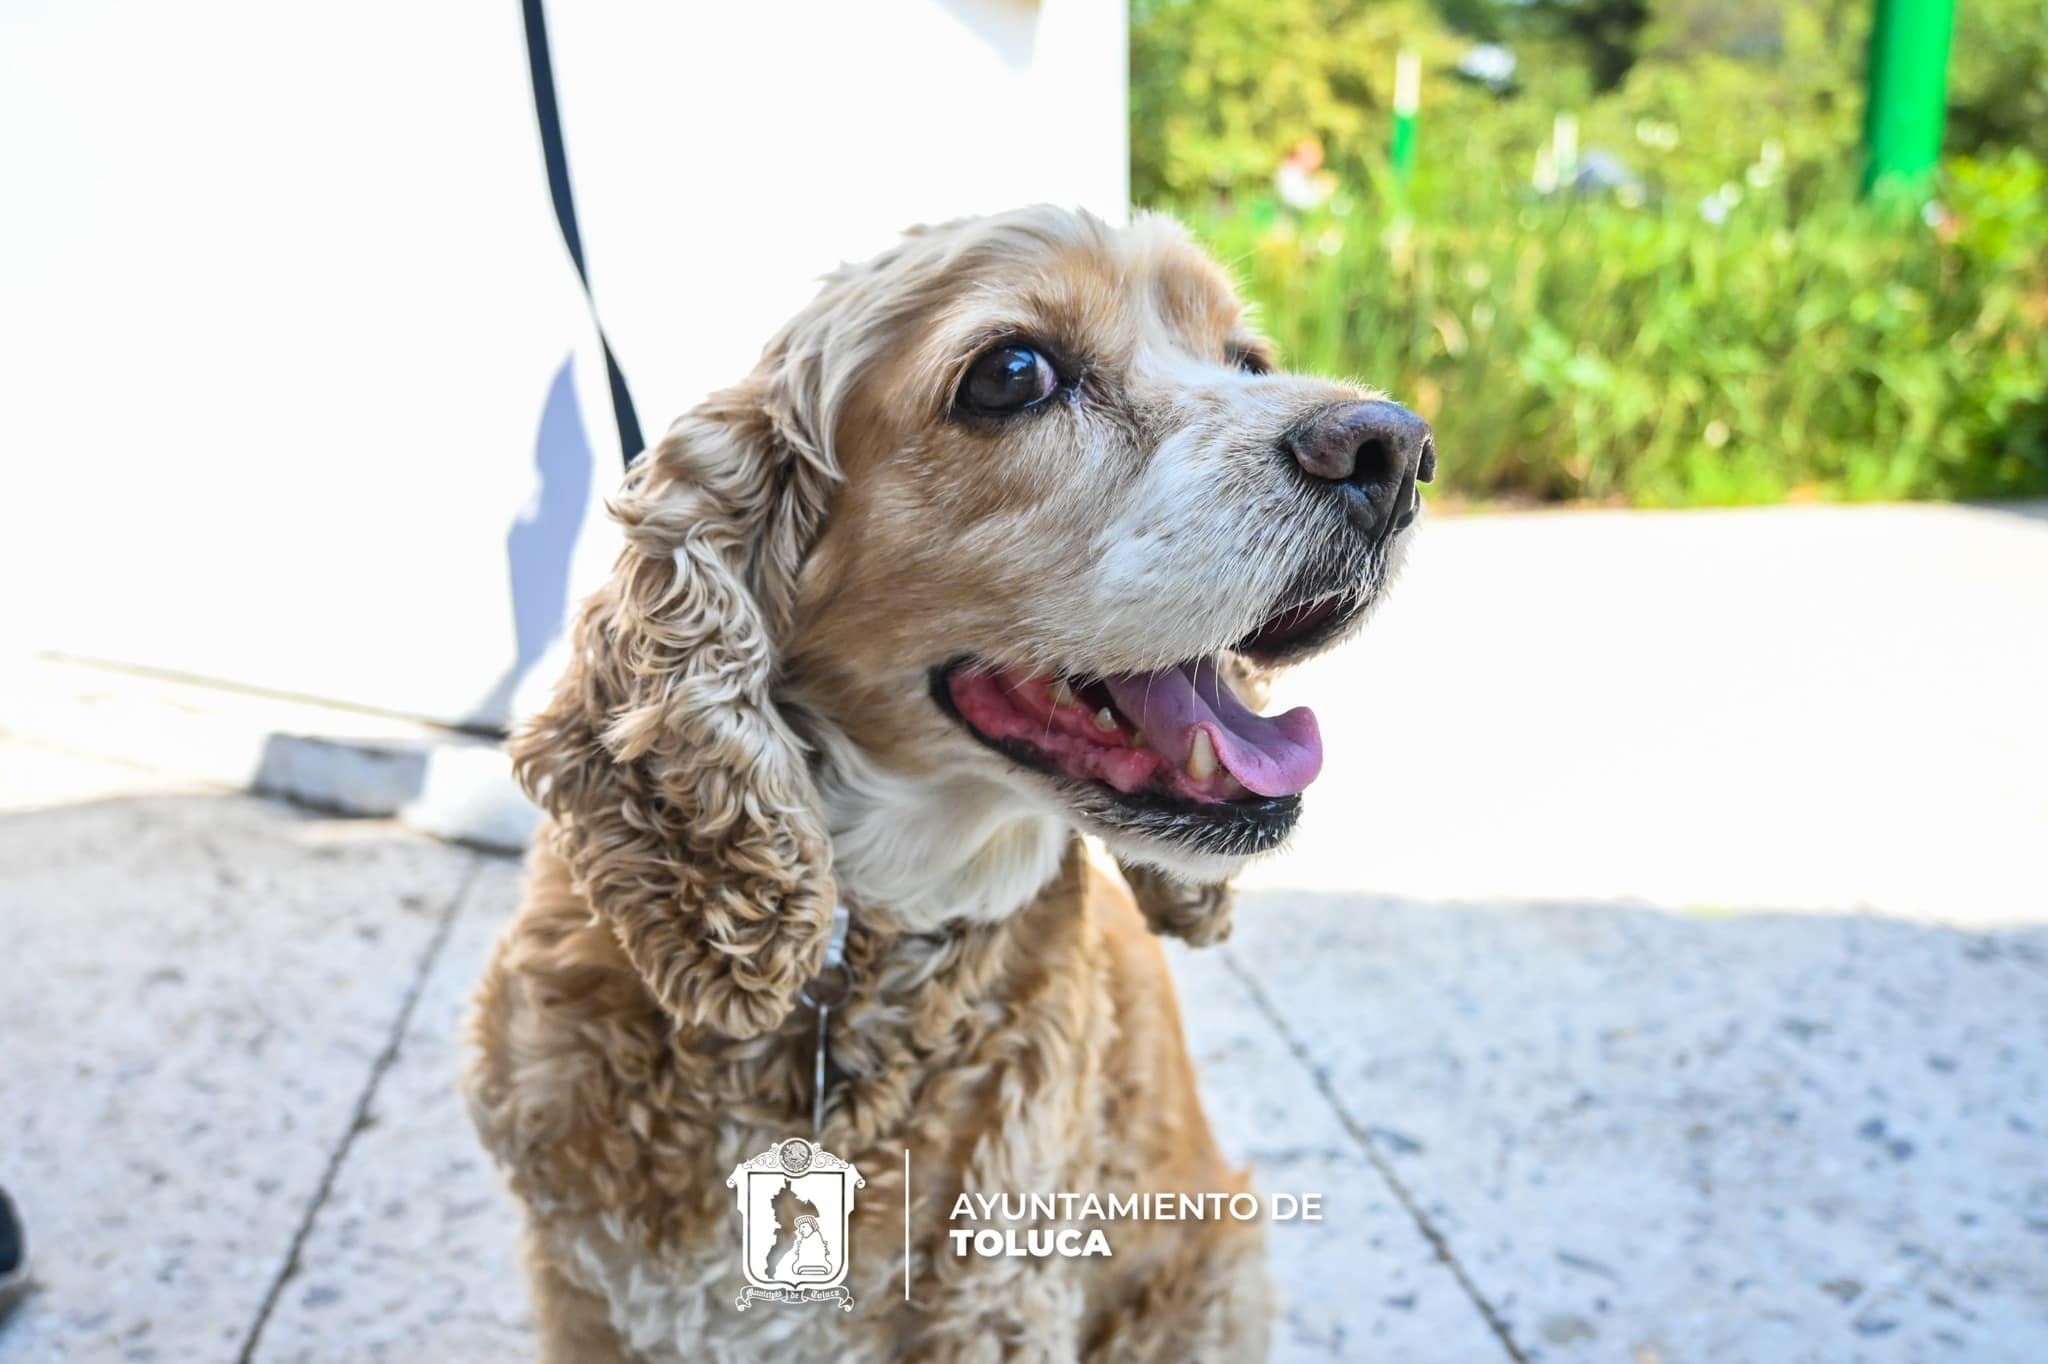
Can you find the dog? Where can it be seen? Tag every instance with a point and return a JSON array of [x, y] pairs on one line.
[[997, 546]]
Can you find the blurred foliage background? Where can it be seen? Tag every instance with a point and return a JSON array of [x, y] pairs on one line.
[[1696, 309]]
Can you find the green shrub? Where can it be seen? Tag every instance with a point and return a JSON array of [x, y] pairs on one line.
[[1998, 77], [1222, 89], [1579, 347], [1805, 347]]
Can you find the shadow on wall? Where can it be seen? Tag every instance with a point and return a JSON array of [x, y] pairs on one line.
[[542, 543], [454, 784]]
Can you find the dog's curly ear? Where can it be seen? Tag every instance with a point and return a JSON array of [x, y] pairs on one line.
[[681, 798], [1202, 914]]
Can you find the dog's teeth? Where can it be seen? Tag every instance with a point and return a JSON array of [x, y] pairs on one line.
[[1202, 757], [1105, 721], [1062, 694]]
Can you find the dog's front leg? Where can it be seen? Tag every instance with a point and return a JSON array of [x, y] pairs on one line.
[[573, 1325]]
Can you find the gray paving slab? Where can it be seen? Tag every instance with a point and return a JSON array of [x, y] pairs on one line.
[[196, 988], [1363, 1282], [414, 1254], [1662, 1137]]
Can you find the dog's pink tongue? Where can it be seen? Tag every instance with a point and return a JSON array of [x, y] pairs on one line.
[[1277, 755]]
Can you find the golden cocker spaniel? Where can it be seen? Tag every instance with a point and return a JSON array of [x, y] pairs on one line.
[[995, 547]]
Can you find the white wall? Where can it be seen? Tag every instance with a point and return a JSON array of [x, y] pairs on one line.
[[287, 332], [727, 155]]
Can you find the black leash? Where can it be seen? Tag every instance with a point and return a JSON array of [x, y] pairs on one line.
[[550, 115]]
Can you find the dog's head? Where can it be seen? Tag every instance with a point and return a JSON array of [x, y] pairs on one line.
[[1021, 513]]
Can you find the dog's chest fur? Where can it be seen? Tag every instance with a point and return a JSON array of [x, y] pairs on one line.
[[1038, 1055]]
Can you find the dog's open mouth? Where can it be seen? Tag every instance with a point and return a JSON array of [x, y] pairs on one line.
[[1176, 742], [1180, 733]]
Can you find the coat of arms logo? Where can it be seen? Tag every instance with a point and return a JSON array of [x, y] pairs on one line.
[[796, 1204]]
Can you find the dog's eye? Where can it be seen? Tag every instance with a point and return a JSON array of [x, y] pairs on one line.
[[1008, 379], [1249, 360]]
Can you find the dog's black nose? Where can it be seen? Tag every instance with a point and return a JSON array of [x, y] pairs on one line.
[[1376, 452]]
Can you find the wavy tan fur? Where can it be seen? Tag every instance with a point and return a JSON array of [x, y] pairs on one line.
[[746, 736]]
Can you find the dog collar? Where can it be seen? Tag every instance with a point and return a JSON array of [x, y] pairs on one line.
[[827, 988]]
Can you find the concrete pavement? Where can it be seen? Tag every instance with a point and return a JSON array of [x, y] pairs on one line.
[[1662, 976]]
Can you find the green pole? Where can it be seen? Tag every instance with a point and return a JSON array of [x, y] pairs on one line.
[[1407, 99], [1908, 102]]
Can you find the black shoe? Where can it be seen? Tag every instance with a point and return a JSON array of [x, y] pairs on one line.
[[13, 1255]]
